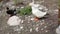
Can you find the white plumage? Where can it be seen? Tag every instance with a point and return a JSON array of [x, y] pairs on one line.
[[58, 30], [13, 21], [37, 10]]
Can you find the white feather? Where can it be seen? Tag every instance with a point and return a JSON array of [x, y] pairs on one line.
[[35, 10]]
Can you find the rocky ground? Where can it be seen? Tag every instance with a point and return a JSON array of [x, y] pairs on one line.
[[44, 26]]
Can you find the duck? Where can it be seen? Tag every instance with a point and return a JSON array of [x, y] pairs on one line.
[[58, 30], [11, 12], [13, 21], [38, 10]]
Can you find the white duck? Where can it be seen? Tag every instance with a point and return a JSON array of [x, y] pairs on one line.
[[38, 10], [58, 30], [13, 21]]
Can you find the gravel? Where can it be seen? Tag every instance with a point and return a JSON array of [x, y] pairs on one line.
[[45, 25]]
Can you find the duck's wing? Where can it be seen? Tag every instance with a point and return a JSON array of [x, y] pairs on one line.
[[39, 13], [42, 8]]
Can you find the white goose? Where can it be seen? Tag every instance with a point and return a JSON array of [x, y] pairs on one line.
[[37, 10]]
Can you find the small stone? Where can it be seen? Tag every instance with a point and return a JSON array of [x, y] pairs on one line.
[[22, 21], [21, 27], [22, 7], [12, 7], [42, 23], [16, 29], [46, 31], [56, 10], [37, 25], [42, 29], [45, 26], [32, 19], [18, 7], [29, 16], [31, 30], [37, 29], [43, 20]]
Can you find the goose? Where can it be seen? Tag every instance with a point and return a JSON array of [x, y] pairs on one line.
[[38, 10], [13, 21], [58, 30]]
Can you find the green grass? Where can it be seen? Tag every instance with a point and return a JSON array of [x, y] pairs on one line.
[[25, 11]]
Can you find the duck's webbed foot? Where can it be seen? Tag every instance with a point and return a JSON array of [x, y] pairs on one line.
[[36, 19]]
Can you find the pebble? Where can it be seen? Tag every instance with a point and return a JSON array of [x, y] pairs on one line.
[[31, 30], [46, 31], [8, 4], [22, 21], [45, 26], [43, 20], [56, 10], [21, 27], [42, 23], [29, 16], [37, 25], [16, 29], [37, 29], [12, 7], [42, 29], [22, 7], [17, 8], [32, 19]]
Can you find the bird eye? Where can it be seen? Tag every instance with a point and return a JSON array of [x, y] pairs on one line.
[[7, 8]]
